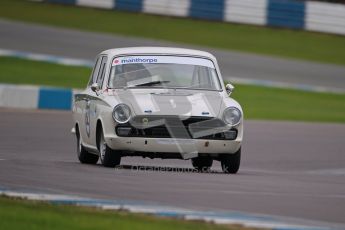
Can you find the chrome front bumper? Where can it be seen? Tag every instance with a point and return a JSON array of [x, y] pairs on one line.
[[188, 148]]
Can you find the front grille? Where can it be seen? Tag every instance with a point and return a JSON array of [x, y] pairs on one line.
[[175, 127]]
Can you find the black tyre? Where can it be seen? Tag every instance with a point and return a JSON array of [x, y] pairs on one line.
[[84, 156], [231, 162], [202, 164], [109, 157]]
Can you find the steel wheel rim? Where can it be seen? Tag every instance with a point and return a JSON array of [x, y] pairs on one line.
[[102, 147]]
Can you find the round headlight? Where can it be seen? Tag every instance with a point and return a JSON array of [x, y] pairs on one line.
[[122, 113], [232, 116]]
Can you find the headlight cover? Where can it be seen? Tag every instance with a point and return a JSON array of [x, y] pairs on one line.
[[122, 113], [232, 116]]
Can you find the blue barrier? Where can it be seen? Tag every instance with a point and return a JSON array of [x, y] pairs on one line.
[[130, 5], [72, 2], [207, 9], [286, 13], [55, 98]]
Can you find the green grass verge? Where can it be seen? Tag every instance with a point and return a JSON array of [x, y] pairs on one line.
[[29, 215], [285, 104], [257, 102], [20, 71], [261, 40]]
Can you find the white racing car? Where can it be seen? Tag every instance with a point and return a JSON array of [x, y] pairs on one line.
[[158, 102]]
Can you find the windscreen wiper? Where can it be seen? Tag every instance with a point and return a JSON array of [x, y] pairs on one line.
[[152, 83]]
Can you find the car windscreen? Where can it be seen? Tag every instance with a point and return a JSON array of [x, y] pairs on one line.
[[163, 72]]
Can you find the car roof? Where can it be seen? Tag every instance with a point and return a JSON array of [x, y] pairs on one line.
[[157, 50]]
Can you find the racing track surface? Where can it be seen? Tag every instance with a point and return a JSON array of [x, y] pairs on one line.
[[76, 44], [289, 169]]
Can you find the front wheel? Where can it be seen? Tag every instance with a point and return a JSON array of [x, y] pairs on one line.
[[83, 155], [231, 162], [109, 157]]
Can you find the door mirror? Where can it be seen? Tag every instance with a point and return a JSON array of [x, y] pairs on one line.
[[229, 88], [95, 87]]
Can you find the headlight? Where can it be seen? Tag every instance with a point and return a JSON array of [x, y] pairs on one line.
[[232, 116], [122, 113]]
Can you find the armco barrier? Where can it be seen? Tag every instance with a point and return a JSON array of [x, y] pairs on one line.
[[34, 97], [308, 15]]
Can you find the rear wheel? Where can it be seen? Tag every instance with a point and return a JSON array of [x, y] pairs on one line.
[[202, 164], [231, 162], [109, 157], [84, 156]]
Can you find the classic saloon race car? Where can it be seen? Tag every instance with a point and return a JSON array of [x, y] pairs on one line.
[[158, 102]]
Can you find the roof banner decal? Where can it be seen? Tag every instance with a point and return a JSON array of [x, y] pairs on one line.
[[163, 60]]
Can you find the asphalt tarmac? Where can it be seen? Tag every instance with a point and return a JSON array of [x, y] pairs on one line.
[[86, 45], [289, 169]]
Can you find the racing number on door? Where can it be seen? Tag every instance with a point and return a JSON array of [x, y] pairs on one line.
[[87, 117]]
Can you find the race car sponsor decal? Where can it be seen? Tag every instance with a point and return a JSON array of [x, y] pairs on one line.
[[163, 60]]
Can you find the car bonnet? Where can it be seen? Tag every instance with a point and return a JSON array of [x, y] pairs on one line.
[[178, 102]]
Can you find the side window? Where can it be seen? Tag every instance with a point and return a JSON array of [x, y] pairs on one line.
[[95, 71], [101, 73]]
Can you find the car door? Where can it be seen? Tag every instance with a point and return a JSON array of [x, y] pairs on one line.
[[95, 99], [84, 104]]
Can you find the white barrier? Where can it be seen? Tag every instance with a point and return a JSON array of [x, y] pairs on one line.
[[325, 17], [178, 8], [246, 11], [106, 4], [13, 96]]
